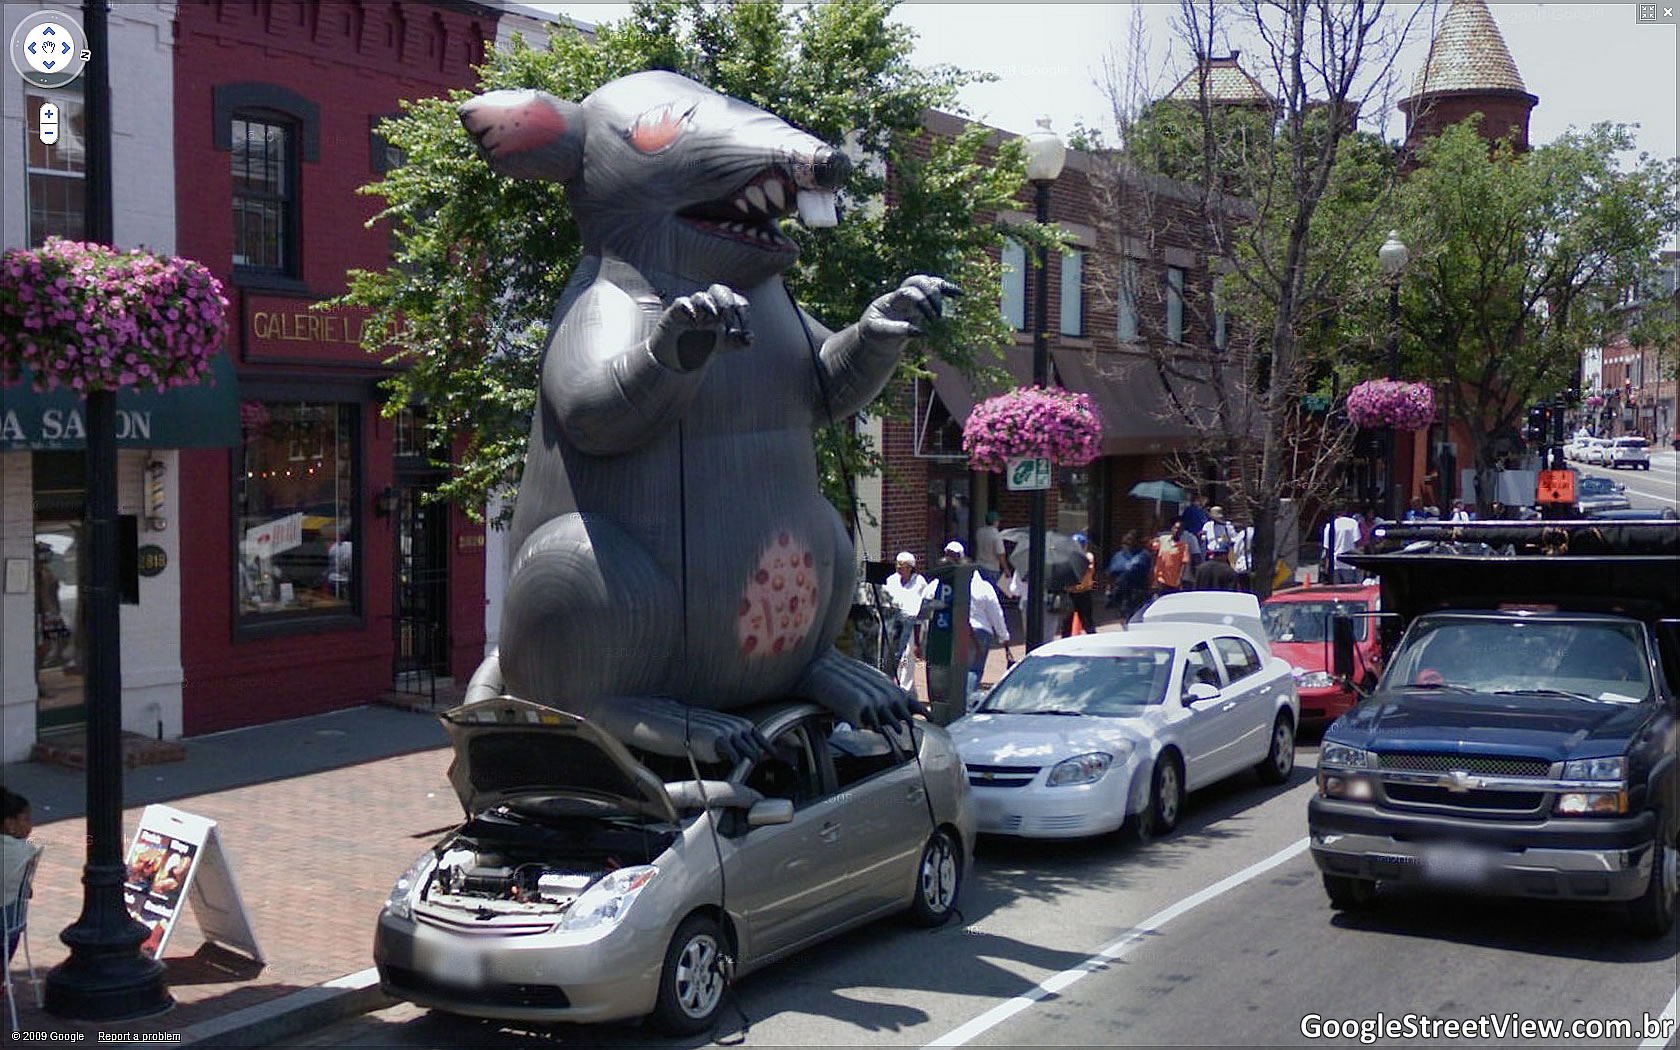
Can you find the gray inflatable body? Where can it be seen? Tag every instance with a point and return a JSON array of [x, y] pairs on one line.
[[675, 556]]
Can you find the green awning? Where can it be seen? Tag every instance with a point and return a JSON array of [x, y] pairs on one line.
[[201, 416]]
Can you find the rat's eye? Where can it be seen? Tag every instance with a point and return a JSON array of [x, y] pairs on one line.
[[660, 126]]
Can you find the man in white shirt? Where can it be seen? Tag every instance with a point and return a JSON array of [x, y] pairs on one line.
[[1242, 555], [985, 617], [905, 588], [1217, 532], [1341, 537]]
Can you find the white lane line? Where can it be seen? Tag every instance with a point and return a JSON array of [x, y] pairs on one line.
[[1670, 1012], [1136, 936]]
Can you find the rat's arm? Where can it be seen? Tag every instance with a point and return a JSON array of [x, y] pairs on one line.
[[622, 368], [856, 362]]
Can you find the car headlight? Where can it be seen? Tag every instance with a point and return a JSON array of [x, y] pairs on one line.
[[609, 900], [400, 902], [1596, 768], [1334, 754], [1315, 680], [1081, 769]]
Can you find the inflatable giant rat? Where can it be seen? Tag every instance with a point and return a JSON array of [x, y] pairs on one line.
[[676, 559]]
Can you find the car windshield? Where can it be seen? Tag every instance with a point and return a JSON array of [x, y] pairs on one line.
[[1120, 682], [1595, 486], [1630, 442], [1310, 621], [1591, 659]]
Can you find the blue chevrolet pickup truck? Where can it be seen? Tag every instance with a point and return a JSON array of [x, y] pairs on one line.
[[1522, 740]]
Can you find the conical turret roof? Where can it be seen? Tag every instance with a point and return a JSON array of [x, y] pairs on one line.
[[1468, 54]]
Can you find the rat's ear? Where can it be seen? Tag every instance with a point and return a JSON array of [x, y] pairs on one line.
[[527, 134]]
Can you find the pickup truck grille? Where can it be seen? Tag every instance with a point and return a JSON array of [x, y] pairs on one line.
[[1487, 765], [1511, 802]]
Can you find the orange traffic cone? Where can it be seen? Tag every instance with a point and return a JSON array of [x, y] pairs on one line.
[[1077, 626]]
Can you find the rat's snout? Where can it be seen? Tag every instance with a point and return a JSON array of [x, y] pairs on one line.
[[830, 169]]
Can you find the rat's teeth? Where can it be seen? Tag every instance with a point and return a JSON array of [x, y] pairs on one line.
[[741, 203], [816, 209], [755, 197], [773, 190]]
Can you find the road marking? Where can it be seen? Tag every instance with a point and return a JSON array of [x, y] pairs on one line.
[[1670, 1011], [1136, 936]]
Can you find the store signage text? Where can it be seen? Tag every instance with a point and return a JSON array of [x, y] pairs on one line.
[[66, 424], [276, 325]]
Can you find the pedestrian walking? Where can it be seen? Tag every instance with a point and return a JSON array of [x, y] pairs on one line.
[[1128, 573], [1341, 537], [1242, 556], [905, 589], [1216, 574], [1082, 595], [1171, 553]]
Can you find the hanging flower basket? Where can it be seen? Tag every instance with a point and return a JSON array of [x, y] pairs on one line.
[[1389, 403], [95, 318], [1033, 421], [1595, 400]]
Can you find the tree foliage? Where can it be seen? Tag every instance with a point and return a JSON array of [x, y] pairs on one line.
[[1285, 205], [480, 260], [1519, 261]]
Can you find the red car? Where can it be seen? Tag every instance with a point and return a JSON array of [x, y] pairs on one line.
[[1298, 624]]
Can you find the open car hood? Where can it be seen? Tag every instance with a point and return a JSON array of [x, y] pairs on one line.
[[1213, 608], [507, 748]]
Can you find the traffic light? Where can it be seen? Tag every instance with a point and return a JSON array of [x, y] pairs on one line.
[[1535, 432]]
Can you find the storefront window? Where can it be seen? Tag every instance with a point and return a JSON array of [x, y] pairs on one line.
[[295, 506]]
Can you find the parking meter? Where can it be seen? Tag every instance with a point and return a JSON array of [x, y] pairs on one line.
[[947, 646]]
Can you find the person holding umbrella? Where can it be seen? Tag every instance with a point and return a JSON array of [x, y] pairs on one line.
[[1080, 595]]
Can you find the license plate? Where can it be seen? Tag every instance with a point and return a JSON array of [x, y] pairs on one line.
[[457, 964], [1456, 865]]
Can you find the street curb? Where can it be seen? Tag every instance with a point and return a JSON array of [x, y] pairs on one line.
[[291, 1015]]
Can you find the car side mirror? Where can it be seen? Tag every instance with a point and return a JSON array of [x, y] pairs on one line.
[[1202, 691], [1341, 641], [770, 811]]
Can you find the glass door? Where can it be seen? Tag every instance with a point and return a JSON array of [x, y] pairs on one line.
[[60, 642]]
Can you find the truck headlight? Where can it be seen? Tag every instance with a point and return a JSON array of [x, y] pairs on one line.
[[1080, 769], [1591, 804], [1596, 768], [609, 899], [1334, 754], [400, 902]]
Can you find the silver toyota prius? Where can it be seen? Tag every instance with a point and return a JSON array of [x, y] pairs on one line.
[[584, 886]]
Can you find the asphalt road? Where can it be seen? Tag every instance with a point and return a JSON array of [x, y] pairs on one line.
[[1657, 487], [1219, 934]]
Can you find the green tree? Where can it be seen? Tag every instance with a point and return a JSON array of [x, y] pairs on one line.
[[481, 260], [1521, 260], [1288, 207]]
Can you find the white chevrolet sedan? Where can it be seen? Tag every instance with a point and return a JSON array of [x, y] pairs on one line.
[[1099, 730]]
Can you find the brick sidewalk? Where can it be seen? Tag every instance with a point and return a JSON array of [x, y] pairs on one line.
[[313, 857]]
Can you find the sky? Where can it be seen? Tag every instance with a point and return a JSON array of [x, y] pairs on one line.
[[1586, 62]]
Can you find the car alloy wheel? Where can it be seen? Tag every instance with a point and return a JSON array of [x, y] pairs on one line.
[[1168, 796], [938, 879], [1280, 759], [694, 978]]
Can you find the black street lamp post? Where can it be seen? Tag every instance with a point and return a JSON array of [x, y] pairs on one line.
[[1393, 256], [1045, 154], [105, 977]]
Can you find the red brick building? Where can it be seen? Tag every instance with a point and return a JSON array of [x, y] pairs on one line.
[[314, 575]]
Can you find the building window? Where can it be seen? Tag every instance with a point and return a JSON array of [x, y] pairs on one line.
[[1175, 305], [1073, 293], [57, 179], [1125, 307], [1015, 284], [264, 196], [295, 508]]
